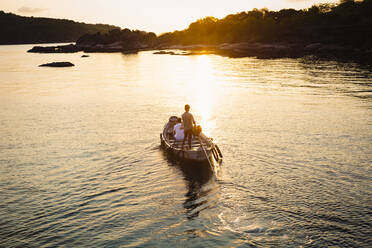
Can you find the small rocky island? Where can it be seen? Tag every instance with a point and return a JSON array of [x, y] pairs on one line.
[[58, 64], [71, 48]]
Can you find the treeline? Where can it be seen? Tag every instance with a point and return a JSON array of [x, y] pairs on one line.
[[346, 23], [124, 38], [17, 29], [349, 23]]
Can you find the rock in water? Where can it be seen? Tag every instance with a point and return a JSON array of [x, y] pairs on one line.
[[84, 56], [58, 64]]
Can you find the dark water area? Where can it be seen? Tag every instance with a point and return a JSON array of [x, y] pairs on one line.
[[81, 164]]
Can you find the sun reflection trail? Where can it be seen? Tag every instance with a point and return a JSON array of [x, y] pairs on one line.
[[203, 84]]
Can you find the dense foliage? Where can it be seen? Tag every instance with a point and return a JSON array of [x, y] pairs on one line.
[[125, 38], [19, 29], [349, 23]]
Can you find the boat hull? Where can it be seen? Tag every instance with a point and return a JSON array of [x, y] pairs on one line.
[[185, 154]]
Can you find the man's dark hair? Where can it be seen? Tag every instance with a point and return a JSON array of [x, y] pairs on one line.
[[179, 120]]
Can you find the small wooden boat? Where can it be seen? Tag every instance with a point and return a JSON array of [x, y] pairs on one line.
[[202, 148]]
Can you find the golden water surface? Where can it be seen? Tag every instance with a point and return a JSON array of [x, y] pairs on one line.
[[81, 165]]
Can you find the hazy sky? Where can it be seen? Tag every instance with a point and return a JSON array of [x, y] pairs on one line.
[[149, 15]]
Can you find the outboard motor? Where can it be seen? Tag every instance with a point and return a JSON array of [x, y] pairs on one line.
[[173, 119], [172, 122]]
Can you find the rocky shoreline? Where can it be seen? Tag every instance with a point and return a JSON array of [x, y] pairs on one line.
[[74, 48], [276, 51], [233, 50]]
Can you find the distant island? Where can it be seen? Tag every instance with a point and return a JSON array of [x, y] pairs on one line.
[[334, 31], [17, 29]]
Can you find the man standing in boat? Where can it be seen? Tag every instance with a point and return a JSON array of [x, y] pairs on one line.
[[188, 121]]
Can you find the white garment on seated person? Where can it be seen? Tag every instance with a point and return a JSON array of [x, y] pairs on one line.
[[179, 132]]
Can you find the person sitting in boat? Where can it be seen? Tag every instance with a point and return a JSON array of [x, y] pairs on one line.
[[188, 122], [178, 130]]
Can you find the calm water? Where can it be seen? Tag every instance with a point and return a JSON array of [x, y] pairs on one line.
[[80, 163]]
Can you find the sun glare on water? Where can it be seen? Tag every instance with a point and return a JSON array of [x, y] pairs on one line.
[[203, 84]]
